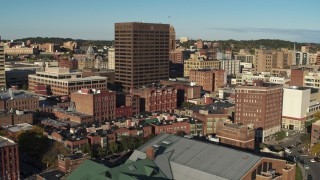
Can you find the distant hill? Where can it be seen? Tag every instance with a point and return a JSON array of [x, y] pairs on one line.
[[57, 40], [253, 44]]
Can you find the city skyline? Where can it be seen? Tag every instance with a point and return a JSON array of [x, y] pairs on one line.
[[209, 20]]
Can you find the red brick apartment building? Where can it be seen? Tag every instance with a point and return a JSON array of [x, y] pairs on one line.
[[210, 80], [18, 100], [236, 135], [156, 98], [315, 133], [171, 127], [9, 162], [260, 106], [68, 63], [67, 164], [99, 103]]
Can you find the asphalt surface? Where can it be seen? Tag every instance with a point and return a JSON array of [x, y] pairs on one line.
[[303, 158]]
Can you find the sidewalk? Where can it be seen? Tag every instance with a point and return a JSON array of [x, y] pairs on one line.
[[303, 171]]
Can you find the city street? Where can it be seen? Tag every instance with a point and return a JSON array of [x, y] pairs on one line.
[[303, 158]]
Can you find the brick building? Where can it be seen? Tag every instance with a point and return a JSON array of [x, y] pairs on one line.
[[210, 80], [69, 163], [171, 127], [99, 103], [134, 102], [68, 63], [209, 121], [297, 77], [9, 164], [8, 119], [72, 115], [156, 98], [123, 111], [21, 100], [315, 133], [236, 135], [260, 106], [184, 92]]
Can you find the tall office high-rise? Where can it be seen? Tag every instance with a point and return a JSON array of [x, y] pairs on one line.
[[172, 37], [141, 53], [2, 71]]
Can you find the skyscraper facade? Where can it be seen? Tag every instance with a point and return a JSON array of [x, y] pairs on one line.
[[141, 53], [2, 72]]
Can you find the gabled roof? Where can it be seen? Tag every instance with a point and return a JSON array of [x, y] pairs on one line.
[[141, 169], [184, 158]]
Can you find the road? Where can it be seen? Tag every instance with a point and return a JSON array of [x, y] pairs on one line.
[[303, 158]]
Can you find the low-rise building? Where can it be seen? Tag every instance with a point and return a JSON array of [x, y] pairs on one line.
[[209, 79], [18, 99], [199, 62], [156, 98], [237, 135], [101, 104], [62, 81], [69, 163]]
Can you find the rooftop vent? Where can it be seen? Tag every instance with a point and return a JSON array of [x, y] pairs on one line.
[[166, 142], [132, 168]]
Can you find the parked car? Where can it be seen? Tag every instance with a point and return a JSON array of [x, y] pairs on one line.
[[309, 177], [288, 151], [312, 160], [306, 167]]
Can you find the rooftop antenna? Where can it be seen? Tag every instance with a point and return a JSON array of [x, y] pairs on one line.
[[169, 19]]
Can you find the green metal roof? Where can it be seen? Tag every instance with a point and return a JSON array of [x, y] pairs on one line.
[[141, 169], [152, 120], [89, 170]]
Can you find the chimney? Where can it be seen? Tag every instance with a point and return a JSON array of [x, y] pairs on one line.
[[150, 153]]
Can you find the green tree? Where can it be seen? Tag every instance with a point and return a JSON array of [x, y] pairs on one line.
[[86, 148], [305, 139], [113, 148], [101, 152], [50, 157], [181, 133]]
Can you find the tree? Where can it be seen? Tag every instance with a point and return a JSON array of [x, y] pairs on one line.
[[101, 152], [86, 148], [113, 147], [315, 150], [305, 138], [181, 133], [50, 157]]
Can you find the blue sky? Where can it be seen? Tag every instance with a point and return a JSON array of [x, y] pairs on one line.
[[293, 20]]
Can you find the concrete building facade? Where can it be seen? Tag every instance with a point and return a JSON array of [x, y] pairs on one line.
[[62, 81]]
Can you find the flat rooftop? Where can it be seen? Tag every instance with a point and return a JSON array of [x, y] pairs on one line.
[[20, 127], [72, 113], [52, 175], [6, 142], [17, 94]]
